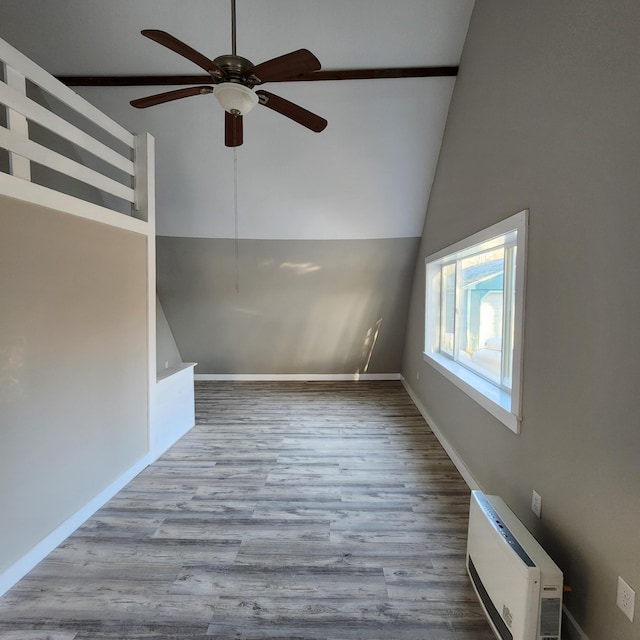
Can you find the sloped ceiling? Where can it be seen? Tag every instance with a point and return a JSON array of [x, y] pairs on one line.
[[329, 224], [367, 176]]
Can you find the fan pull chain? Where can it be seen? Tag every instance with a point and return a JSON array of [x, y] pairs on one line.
[[235, 213]]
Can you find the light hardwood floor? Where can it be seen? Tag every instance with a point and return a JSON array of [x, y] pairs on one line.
[[292, 510]]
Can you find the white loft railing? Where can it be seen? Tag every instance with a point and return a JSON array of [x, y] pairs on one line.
[[121, 178]]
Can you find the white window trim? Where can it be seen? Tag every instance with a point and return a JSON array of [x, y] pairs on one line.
[[502, 405]]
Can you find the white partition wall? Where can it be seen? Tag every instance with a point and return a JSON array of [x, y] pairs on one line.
[[73, 375], [80, 412]]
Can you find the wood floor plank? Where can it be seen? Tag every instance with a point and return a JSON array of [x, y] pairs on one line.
[[42, 634], [344, 617], [296, 582], [329, 554], [314, 511]]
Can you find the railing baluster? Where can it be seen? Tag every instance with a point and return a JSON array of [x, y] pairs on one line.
[[16, 122], [144, 187]]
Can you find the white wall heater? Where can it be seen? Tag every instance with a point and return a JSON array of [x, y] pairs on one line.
[[517, 583]]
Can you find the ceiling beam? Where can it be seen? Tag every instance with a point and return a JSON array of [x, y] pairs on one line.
[[337, 74]]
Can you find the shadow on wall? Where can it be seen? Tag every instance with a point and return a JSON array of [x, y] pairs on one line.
[[322, 307], [312, 339], [325, 334], [314, 327]]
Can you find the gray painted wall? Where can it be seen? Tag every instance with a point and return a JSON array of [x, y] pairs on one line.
[[303, 306], [73, 367], [167, 354], [545, 116]]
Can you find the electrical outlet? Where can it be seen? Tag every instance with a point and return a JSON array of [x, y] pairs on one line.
[[536, 504], [626, 598]]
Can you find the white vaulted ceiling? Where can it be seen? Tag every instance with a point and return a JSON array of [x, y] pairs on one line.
[[368, 175]]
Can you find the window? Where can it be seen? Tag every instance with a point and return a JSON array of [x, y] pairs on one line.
[[475, 314]]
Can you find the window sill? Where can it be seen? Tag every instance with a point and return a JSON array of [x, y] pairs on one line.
[[487, 395]]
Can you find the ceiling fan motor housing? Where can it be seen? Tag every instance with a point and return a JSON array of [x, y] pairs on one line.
[[234, 67]]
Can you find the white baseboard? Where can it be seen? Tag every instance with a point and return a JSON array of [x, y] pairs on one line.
[[294, 377], [19, 569], [446, 445], [573, 628]]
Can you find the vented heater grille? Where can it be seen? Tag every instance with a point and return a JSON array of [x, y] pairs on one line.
[[490, 610], [517, 583]]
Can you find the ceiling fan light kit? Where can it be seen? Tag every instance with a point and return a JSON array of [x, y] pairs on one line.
[[234, 78], [235, 98]]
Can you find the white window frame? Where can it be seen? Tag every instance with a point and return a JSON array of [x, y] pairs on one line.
[[502, 404]]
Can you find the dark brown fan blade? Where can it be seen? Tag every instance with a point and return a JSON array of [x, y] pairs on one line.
[[169, 41], [286, 66], [232, 130], [293, 111], [167, 96]]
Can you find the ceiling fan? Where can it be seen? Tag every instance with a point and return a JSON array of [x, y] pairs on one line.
[[234, 78]]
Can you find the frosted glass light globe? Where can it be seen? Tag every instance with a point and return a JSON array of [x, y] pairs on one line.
[[235, 98]]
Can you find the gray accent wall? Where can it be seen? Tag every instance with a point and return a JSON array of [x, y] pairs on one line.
[[73, 367], [544, 116], [302, 306], [167, 354]]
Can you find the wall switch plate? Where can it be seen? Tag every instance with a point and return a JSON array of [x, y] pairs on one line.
[[417, 375], [626, 598], [536, 504]]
